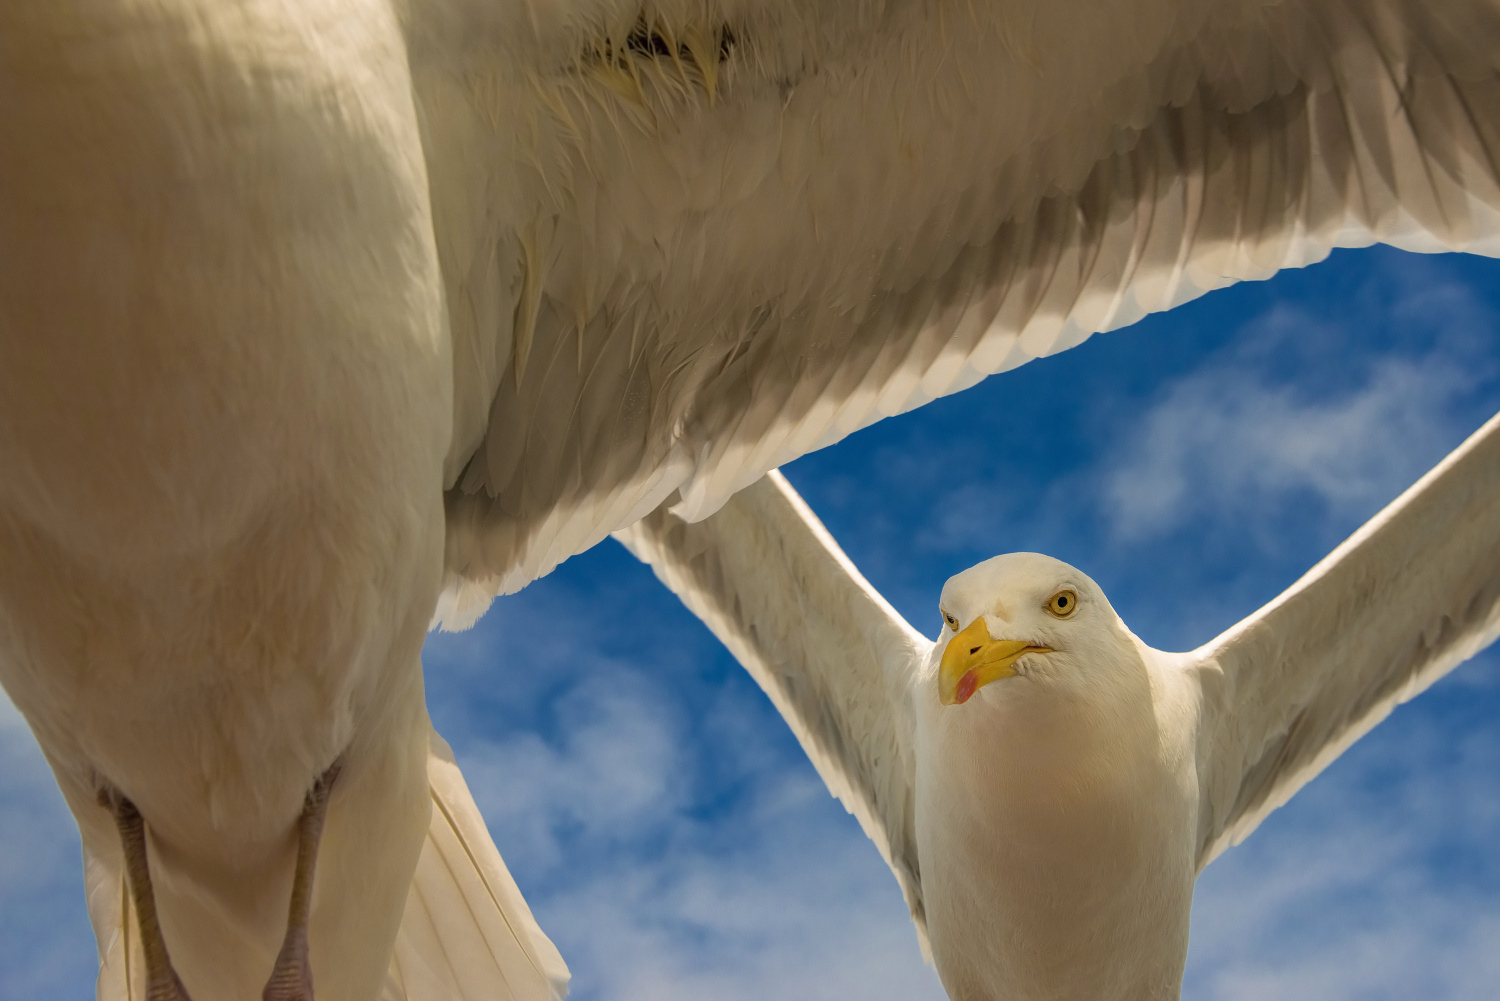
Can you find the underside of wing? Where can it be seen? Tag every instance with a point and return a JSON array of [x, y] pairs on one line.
[[831, 654], [683, 250], [1407, 598]]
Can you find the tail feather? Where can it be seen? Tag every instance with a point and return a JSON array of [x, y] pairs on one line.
[[467, 933], [121, 965]]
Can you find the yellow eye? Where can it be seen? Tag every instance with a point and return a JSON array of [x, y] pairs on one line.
[[952, 622], [1063, 604]]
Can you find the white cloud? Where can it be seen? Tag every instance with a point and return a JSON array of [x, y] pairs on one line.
[[1378, 881], [1238, 440], [606, 778], [652, 889], [803, 908]]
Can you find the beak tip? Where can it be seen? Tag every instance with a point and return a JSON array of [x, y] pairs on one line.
[[965, 688]]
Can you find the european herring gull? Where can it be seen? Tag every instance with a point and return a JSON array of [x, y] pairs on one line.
[[1044, 785], [318, 317]]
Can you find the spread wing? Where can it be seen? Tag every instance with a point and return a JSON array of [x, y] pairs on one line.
[[1407, 598], [835, 658], [684, 244]]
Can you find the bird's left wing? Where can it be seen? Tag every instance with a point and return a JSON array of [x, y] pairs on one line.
[[1407, 598], [683, 244], [835, 658]]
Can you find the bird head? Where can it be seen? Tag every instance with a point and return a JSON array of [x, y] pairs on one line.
[[1026, 615]]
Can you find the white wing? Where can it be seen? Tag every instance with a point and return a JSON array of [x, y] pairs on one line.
[[835, 658], [1407, 598], [684, 244]]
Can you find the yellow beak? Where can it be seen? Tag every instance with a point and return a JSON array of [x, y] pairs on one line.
[[972, 660]]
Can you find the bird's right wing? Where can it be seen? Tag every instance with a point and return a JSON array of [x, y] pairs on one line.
[[835, 658], [1409, 597]]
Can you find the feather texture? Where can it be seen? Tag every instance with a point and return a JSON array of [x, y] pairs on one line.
[[467, 934], [885, 203], [1409, 597]]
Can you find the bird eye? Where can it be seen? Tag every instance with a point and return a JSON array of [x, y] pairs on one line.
[[952, 622], [1063, 604]]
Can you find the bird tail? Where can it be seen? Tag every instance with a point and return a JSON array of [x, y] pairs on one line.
[[466, 933]]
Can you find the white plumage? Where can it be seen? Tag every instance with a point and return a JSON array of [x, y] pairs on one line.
[[1047, 823], [315, 313]]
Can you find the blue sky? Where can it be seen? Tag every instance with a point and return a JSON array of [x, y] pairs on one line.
[[676, 844]]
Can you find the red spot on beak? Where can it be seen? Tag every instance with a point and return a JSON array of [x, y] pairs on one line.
[[965, 688]]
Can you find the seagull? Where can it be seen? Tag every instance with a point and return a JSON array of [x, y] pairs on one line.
[[1044, 785], [324, 322]]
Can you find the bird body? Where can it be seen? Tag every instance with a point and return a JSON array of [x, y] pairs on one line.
[[1055, 815], [207, 599]]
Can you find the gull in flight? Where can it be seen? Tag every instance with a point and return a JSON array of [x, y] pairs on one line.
[[324, 319], [1045, 786]]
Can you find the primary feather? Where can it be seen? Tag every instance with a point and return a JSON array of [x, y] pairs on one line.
[[674, 290]]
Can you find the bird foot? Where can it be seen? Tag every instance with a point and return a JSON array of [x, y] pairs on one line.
[[291, 978], [162, 982], [170, 989]]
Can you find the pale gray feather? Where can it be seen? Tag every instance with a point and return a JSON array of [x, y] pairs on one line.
[[833, 656], [1409, 597]]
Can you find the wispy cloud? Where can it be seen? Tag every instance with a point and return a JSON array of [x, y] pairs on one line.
[[800, 917], [670, 836], [1243, 436], [605, 780], [1379, 881]]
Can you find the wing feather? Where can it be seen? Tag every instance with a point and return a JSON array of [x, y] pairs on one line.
[[829, 651], [874, 210], [1406, 599]]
